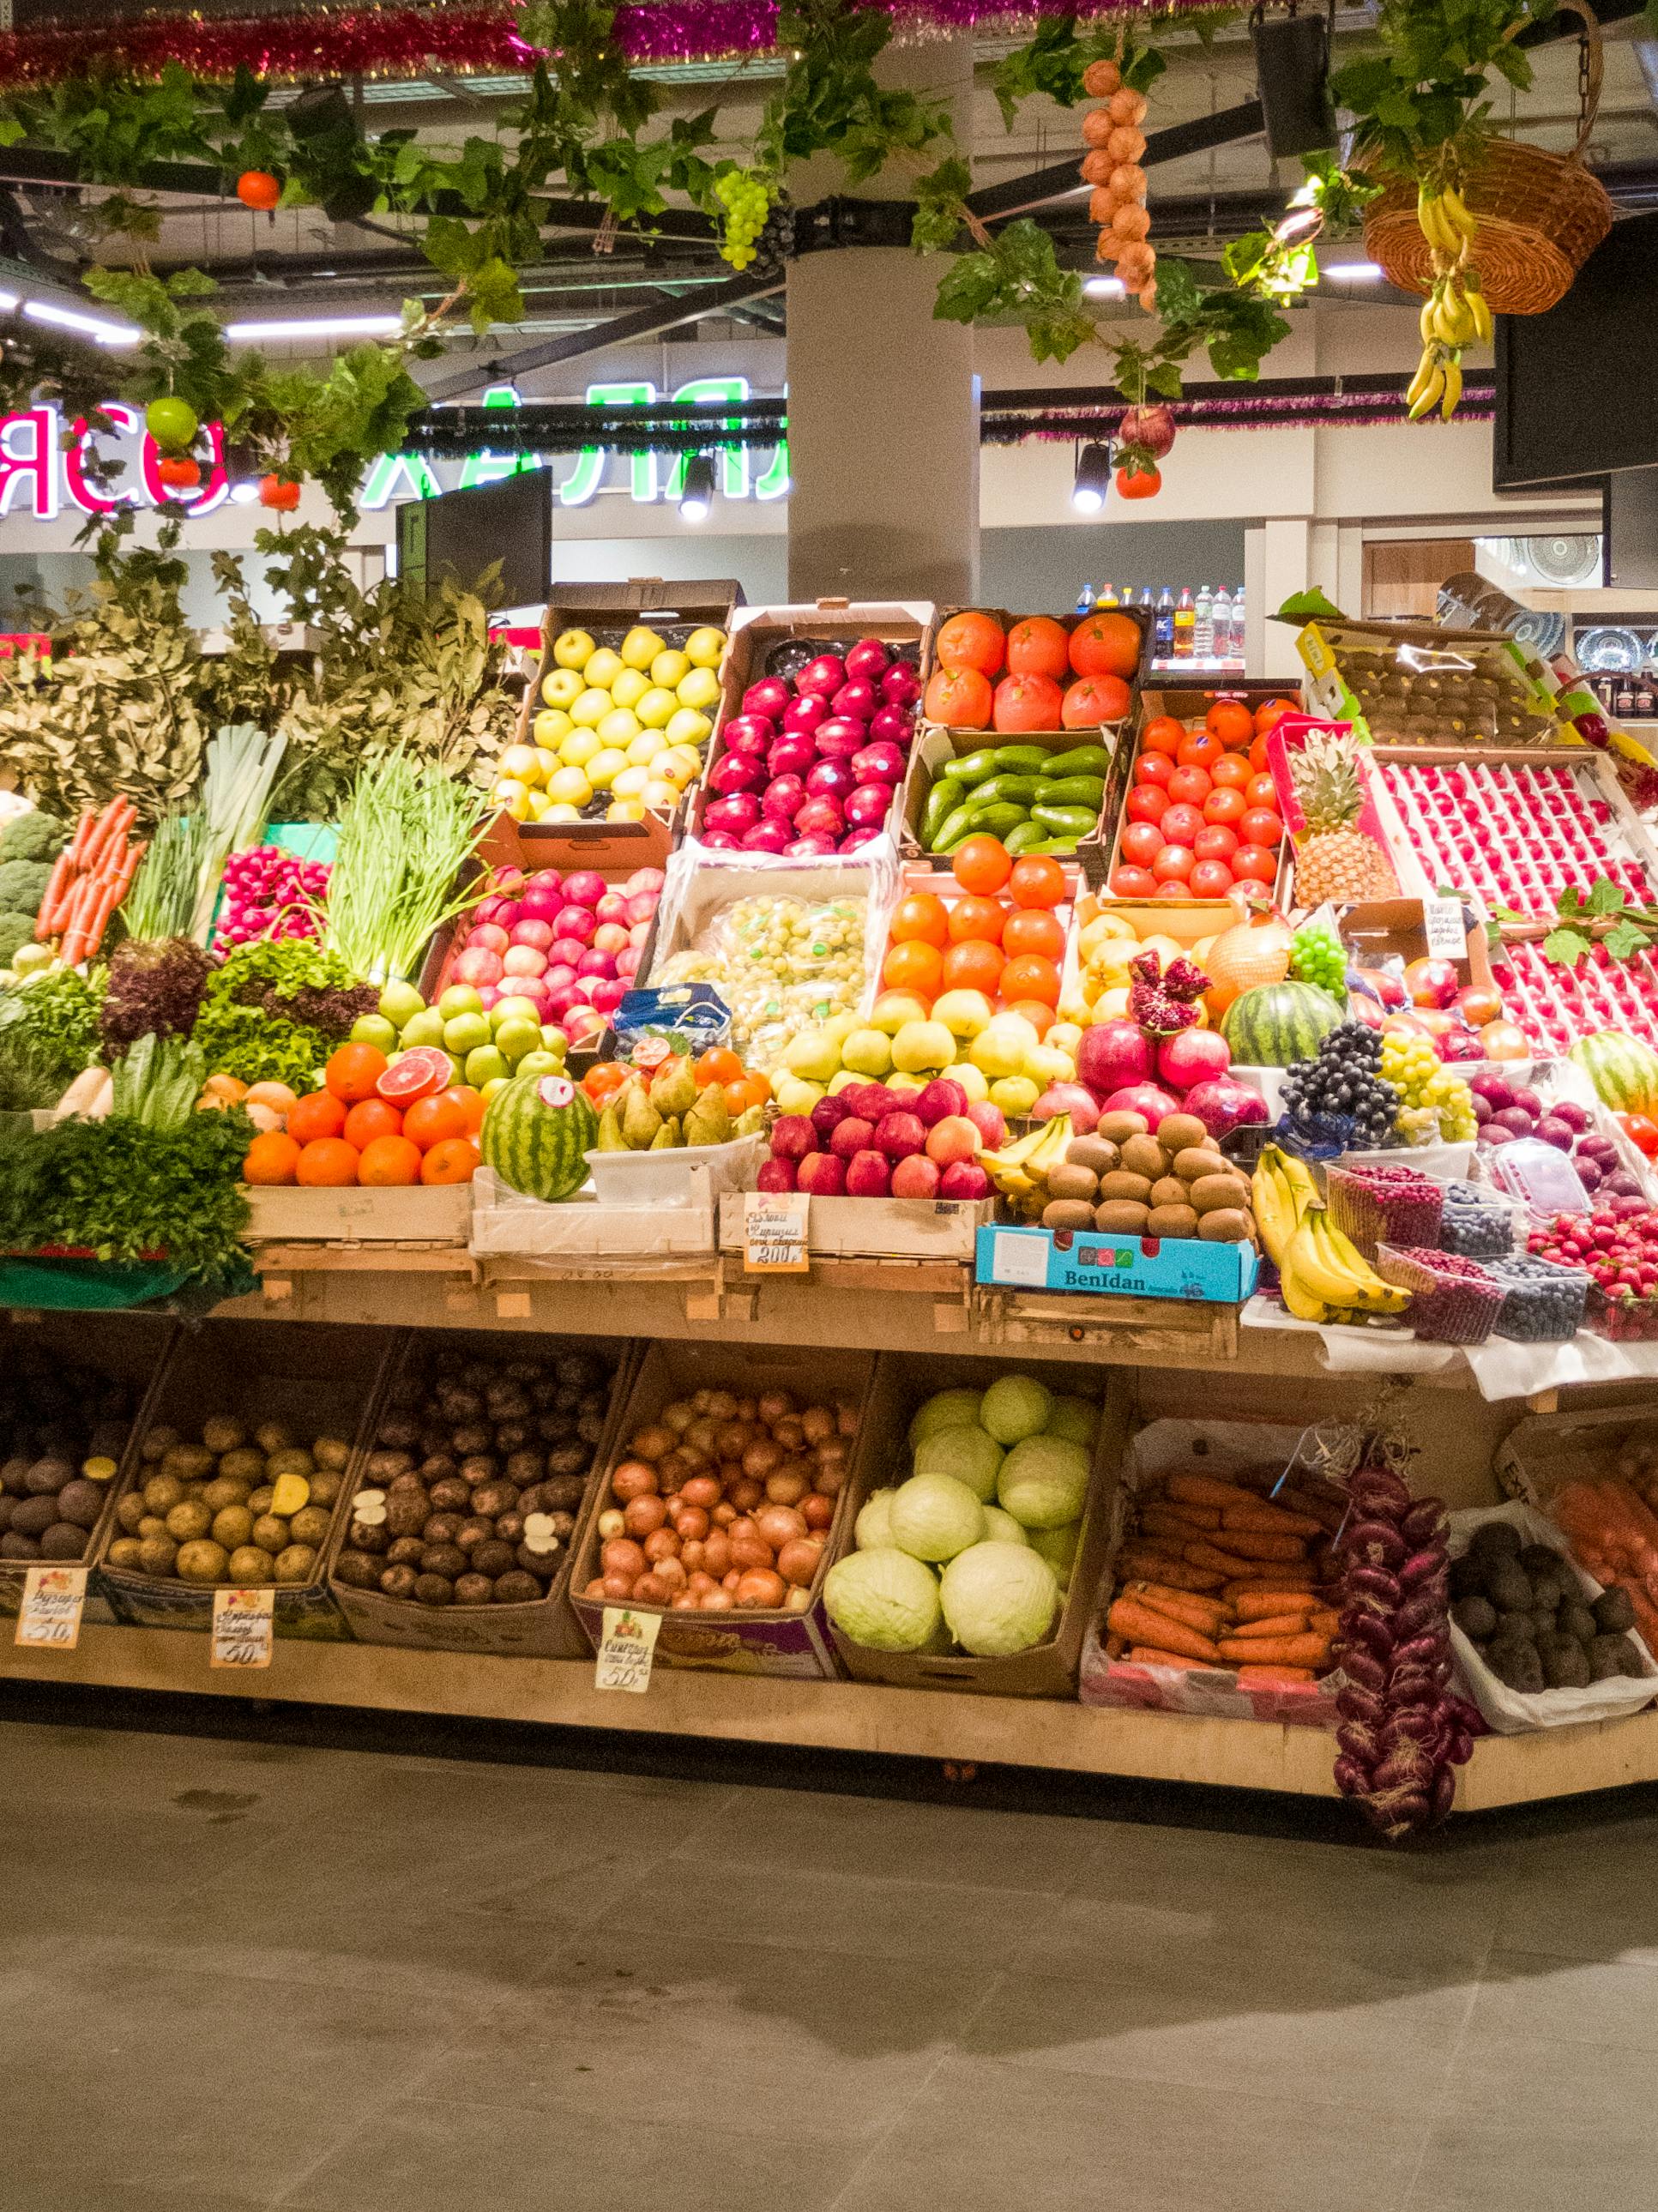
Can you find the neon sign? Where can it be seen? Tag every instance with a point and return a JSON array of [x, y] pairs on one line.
[[32, 446]]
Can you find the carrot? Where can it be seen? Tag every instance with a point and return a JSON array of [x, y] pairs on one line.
[[1147, 1655], [99, 834], [83, 828], [1200, 1612], [109, 899], [1172, 1573], [1276, 1586], [1203, 1489], [1224, 1562], [1140, 1624], [1260, 1677], [1263, 1605], [1248, 1544], [1180, 1521], [1269, 1520], [1324, 1622], [1298, 1650], [62, 869], [1279, 1624]]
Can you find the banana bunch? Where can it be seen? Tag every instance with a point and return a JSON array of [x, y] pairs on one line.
[[1455, 313], [1282, 1192], [1325, 1277], [1447, 223], [1437, 383], [1019, 1170]]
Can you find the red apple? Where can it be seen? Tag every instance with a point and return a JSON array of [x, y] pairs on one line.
[[990, 1122], [899, 1133], [774, 1176], [792, 1137], [1431, 983], [823, 1173], [868, 1176], [938, 1100], [915, 1176], [964, 1179]]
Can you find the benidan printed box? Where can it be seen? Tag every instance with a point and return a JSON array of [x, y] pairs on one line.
[[1103, 1263]]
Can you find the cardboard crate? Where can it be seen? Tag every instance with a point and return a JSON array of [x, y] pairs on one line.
[[1185, 703], [877, 1228], [544, 1629], [757, 632], [131, 1348], [318, 1378], [1520, 676], [1106, 1263], [935, 745], [796, 1645], [630, 1239], [904, 1380], [428, 1214]]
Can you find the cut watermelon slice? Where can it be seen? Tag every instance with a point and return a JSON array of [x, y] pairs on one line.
[[420, 1072]]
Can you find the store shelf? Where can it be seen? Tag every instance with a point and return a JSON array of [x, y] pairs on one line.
[[934, 1724]]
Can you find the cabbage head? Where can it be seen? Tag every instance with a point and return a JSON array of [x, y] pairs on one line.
[[1015, 1406], [1043, 1482], [872, 1530], [884, 1599], [934, 1516], [964, 1451], [1059, 1548], [945, 1409], [999, 1599], [1002, 1529], [1075, 1419]]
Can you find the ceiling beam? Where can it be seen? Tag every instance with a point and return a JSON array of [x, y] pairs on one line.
[[1016, 195]]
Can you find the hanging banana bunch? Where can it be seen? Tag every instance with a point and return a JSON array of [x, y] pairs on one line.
[[1455, 315]]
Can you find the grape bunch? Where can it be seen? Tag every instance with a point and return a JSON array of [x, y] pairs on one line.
[[1345, 1079], [1316, 956], [746, 201], [1436, 1104]]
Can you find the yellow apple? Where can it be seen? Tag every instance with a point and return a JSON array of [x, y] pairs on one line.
[[1003, 1048], [640, 646], [630, 687], [867, 1052], [972, 1080], [1065, 1036], [550, 725], [563, 811], [619, 727], [814, 1055], [1014, 1094], [604, 766], [668, 666], [562, 688], [603, 668], [513, 796], [893, 1008], [699, 687], [924, 1045], [590, 709], [678, 763], [794, 1095], [964, 1013], [630, 783], [548, 760], [625, 810], [644, 749], [572, 648], [520, 762], [705, 647], [579, 748], [656, 708], [688, 727], [571, 787], [660, 797]]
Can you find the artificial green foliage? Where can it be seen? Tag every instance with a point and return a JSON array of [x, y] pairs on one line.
[[126, 1191], [1424, 100], [1019, 279]]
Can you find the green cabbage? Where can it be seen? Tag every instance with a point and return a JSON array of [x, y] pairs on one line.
[[964, 1451], [1043, 1482], [884, 1598], [1015, 1406], [1075, 1419], [1002, 1529], [934, 1516], [945, 1409], [1059, 1548], [872, 1530], [999, 1599]]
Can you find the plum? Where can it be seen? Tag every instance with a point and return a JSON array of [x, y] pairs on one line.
[[1555, 1131]]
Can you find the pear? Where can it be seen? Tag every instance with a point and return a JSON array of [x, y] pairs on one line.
[[709, 1121], [640, 1120], [610, 1138], [674, 1091], [750, 1122], [667, 1138]]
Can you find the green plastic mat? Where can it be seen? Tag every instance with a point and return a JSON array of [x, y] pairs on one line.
[[104, 1286]]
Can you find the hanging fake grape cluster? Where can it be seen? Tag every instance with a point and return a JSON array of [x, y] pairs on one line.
[[1316, 956], [745, 200]]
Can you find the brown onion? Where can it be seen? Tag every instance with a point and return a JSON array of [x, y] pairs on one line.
[[777, 1406], [653, 1443], [760, 1590], [596, 1588], [678, 1417], [723, 1514], [717, 1554], [672, 1572], [700, 1400], [798, 1562], [790, 1435], [830, 1481], [760, 1459], [747, 1410], [662, 1544], [701, 1490], [645, 1515], [612, 1523], [817, 1512], [717, 1601], [633, 1478], [699, 1582], [787, 1487], [691, 1524], [747, 1494], [779, 1525], [729, 1582], [798, 1600], [621, 1556], [618, 1588], [734, 1440], [703, 1434], [817, 1424], [686, 1601], [694, 1554], [651, 1589]]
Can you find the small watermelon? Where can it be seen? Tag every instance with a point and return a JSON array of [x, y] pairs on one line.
[[1279, 1023], [535, 1133], [1623, 1071]]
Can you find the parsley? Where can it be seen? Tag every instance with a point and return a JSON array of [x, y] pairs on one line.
[[125, 1192]]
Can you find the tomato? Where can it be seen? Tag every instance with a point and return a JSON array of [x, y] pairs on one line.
[[1215, 842], [922, 915], [914, 967], [973, 964], [1198, 749], [1257, 755], [1273, 711], [1231, 773], [981, 865], [1038, 881], [1141, 842], [1106, 644], [1225, 807], [1261, 791], [1642, 1132], [1038, 645], [959, 698], [1253, 864], [1139, 483], [1210, 879], [971, 641], [976, 919], [1189, 787], [1173, 865], [1230, 720], [1181, 824], [1092, 700], [1154, 768], [1261, 826], [1132, 884], [1026, 703], [1146, 803], [1164, 735], [1038, 933]]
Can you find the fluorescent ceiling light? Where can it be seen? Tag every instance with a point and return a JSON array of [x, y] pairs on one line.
[[321, 326], [1105, 288], [1356, 272], [106, 334]]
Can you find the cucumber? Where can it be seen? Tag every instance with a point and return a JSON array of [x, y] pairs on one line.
[[1072, 791], [1022, 759], [1072, 821], [974, 766], [1021, 789], [1081, 760], [998, 821], [945, 795]]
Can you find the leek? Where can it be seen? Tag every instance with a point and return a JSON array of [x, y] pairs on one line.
[[241, 768]]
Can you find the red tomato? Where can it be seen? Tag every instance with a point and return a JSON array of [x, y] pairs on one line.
[[1198, 749], [1181, 824], [1210, 879], [1224, 806], [1146, 803], [1154, 768], [1257, 755], [1261, 791], [1132, 884], [1261, 826], [1173, 865], [1190, 787], [1253, 864], [1215, 843], [1141, 842], [1641, 1132], [1164, 735]]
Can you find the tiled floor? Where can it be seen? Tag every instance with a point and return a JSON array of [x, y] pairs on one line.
[[238, 1976]]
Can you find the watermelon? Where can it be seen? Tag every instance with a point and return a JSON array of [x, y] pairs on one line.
[[535, 1133], [1279, 1023], [1623, 1071]]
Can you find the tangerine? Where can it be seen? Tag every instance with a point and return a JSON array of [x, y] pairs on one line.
[[959, 699], [753, 1090], [270, 1159], [370, 1118], [912, 967], [981, 864], [1026, 703], [470, 1104], [1036, 1011], [454, 1160], [1106, 645], [389, 1163], [921, 915], [431, 1121], [318, 1114], [982, 920], [974, 965], [1230, 720], [1036, 882], [719, 1064], [1198, 749], [1036, 932], [1231, 773], [354, 1070], [971, 640], [1163, 735], [1032, 977], [327, 1163]]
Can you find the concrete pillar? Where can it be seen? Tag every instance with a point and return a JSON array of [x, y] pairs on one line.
[[884, 404]]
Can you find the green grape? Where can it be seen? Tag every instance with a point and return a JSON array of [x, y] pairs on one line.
[[1433, 1097], [1316, 956]]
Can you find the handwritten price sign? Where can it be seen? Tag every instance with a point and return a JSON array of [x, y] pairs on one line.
[[244, 1625], [774, 1233], [49, 1617]]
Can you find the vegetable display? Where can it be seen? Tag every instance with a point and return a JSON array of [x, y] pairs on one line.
[[1202, 812], [250, 1507], [62, 1431]]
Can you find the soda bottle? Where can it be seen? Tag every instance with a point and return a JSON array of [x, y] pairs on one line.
[[1163, 626], [1185, 617], [1203, 626]]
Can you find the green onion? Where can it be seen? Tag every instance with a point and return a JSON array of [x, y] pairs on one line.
[[406, 833], [241, 767], [162, 900]]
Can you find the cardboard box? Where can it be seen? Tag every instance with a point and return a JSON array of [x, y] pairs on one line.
[[628, 1239], [1185, 703], [544, 1629], [877, 1228], [423, 1213], [905, 1380], [131, 1348], [1107, 1263], [1522, 712], [934, 746], [796, 1645], [319, 1379], [756, 634]]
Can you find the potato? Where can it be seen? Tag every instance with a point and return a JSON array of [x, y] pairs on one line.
[[358, 1570], [188, 1520], [270, 1534], [202, 1561], [298, 1564], [250, 1568], [398, 1582], [232, 1526], [1065, 1181], [1144, 1155], [1171, 1221], [1175, 1132], [1212, 1191], [130, 1511], [157, 1555], [162, 1492], [1226, 1224], [432, 1589], [1121, 1184], [1116, 1128], [1127, 1215], [311, 1526], [123, 1552], [1067, 1213]]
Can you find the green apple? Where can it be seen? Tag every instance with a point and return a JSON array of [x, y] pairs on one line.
[[1014, 1094], [1003, 1048], [893, 1008], [460, 999], [484, 1064], [697, 687], [493, 1088], [463, 1033], [920, 1046], [426, 1028], [844, 1080], [400, 1002], [972, 1079], [794, 1095], [513, 1010], [865, 1053], [539, 1062], [375, 1030], [1045, 1064], [840, 1026], [964, 1013], [815, 1055], [514, 1040], [553, 1040]]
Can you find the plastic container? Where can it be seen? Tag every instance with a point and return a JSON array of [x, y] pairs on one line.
[[1452, 1300], [665, 1178], [1544, 1301], [1384, 1204], [1631, 1322], [1475, 1223], [1540, 1175]]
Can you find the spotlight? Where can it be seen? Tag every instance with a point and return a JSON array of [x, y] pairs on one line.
[[1292, 68], [697, 497], [1093, 479]]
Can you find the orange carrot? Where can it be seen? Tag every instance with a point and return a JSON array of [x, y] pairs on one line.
[[1147, 1655], [1324, 1622], [1142, 1626], [1203, 1489], [1267, 1519], [1200, 1612], [109, 898], [1265, 1604], [1276, 1585], [1224, 1562], [99, 834], [1172, 1573], [1279, 1624], [1261, 1677], [1249, 1544], [83, 830], [63, 868], [1185, 1520], [1300, 1650]]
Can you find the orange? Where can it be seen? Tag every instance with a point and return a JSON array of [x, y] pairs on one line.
[[981, 864], [270, 1159], [1162, 735], [1031, 978], [1038, 646], [326, 1161], [318, 1114], [1036, 933], [1273, 711], [430, 1121], [922, 915], [980, 919], [752, 1091], [1026, 703], [719, 1064], [371, 1118], [1106, 645], [1230, 774], [604, 1080], [912, 967], [1198, 749], [1092, 700], [1230, 720], [1036, 882], [1040, 1016], [973, 965], [970, 640], [354, 1070], [470, 1104], [389, 1161], [958, 698], [455, 1160]]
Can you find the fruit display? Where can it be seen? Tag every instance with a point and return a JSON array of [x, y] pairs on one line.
[[724, 1503], [1005, 948], [675, 1102], [478, 1476], [784, 966], [1470, 692], [1525, 1613], [1369, 1090], [1036, 673], [1506, 1110], [1385, 1202], [1202, 810], [972, 1551], [1289, 1025], [1323, 1276], [1623, 1069], [1543, 1303], [1029, 798], [269, 892], [1618, 1251], [247, 1505], [1338, 855], [62, 1430], [1452, 1300], [1129, 1174], [1474, 1223], [1115, 141], [871, 1140], [568, 943], [620, 732], [812, 762], [375, 1124]]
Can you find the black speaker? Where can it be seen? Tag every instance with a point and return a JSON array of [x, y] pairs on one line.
[[1292, 68]]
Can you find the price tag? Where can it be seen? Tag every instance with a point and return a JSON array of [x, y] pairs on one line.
[[1448, 935], [49, 1617], [626, 1650], [244, 1623], [774, 1232], [1020, 1260]]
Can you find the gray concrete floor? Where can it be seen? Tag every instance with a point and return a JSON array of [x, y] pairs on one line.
[[238, 1976]]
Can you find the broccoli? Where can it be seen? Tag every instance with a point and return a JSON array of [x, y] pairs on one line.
[[22, 886], [33, 837], [16, 930]]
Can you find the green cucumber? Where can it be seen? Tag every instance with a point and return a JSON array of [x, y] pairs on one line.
[[1081, 760], [1029, 837], [1072, 791], [1061, 848], [1021, 789], [1022, 759], [973, 767], [956, 825], [1071, 822]]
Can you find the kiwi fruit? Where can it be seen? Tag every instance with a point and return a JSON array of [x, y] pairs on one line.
[[1119, 1126], [1122, 1183], [1168, 1190], [1144, 1155], [1212, 1191], [1065, 1180], [1171, 1220], [1096, 1153], [1224, 1225], [1195, 1160], [1178, 1131], [1127, 1216]]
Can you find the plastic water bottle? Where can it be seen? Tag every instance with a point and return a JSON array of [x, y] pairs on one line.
[[1238, 652], [1203, 625], [1163, 629], [1221, 623], [1084, 600]]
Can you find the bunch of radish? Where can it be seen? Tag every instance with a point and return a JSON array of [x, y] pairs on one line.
[[1402, 1732], [1115, 143]]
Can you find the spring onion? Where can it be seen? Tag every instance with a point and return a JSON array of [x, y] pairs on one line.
[[406, 833], [162, 900], [241, 768]]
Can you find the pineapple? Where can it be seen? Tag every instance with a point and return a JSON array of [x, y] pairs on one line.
[[1335, 860]]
